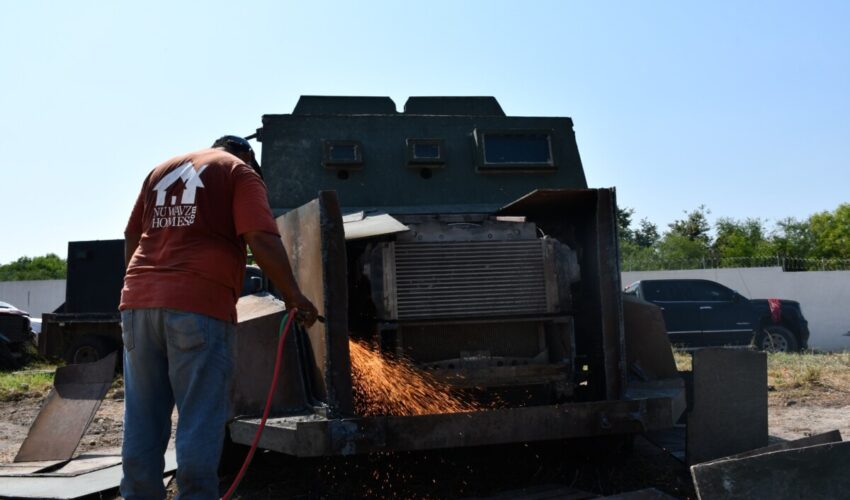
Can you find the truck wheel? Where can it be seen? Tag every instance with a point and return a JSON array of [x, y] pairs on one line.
[[88, 349], [775, 338]]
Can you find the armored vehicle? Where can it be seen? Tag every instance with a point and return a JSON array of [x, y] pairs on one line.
[[467, 242]]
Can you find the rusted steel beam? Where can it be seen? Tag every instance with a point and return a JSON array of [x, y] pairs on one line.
[[316, 436], [610, 294]]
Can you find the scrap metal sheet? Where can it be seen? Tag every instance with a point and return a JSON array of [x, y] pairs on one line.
[[359, 225], [69, 409], [65, 487], [26, 468], [730, 404], [813, 472], [82, 464]]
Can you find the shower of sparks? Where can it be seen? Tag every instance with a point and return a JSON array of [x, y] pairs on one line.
[[389, 386]]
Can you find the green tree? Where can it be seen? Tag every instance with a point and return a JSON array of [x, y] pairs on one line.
[[638, 258], [831, 233], [47, 267], [793, 238], [646, 235], [741, 239], [677, 251], [694, 226], [637, 252], [687, 243]]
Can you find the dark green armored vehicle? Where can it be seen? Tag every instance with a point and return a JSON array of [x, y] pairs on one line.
[[467, 242]]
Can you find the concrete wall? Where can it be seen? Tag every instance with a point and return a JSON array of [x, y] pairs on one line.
[[823, 295], [35, 297]]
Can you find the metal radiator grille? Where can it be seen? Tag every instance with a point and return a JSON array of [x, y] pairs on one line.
[[469, 279]]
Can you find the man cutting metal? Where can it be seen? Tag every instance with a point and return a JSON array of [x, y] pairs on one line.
[[185, 255]]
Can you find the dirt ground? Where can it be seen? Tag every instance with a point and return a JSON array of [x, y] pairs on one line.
[[457, 473]]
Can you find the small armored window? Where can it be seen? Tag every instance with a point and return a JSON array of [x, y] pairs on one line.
[[514, 150], [343, 154], [425, 153]]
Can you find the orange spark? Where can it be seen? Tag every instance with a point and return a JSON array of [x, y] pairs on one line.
[[389, 386]]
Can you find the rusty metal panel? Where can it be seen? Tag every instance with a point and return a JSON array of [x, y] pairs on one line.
[[833, 436], [542, 203], [649, 354], [610, 295], [813, 472], [254, 356], [730, 404], [585, 220], [316, 436], [69, 409], [314, 238]]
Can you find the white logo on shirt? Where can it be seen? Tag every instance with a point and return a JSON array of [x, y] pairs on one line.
[[174, 214]]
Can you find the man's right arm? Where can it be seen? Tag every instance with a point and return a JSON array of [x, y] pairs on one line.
[[133, 231], [271, 255], [131, 242]]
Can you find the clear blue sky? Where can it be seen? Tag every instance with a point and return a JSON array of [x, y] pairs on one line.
[[741, 106]]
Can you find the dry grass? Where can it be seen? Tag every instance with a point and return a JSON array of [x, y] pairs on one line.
[[683, 360], [819, 378]]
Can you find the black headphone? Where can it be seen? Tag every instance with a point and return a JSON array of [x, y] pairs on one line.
[[234, 144]]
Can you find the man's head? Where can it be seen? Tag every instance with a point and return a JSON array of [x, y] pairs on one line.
[[239, 148]]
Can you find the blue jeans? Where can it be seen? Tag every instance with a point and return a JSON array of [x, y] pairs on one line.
[[174, 357]]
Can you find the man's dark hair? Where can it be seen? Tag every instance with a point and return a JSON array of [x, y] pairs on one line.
[[234, 144]]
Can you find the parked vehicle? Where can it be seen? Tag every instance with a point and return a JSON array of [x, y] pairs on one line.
[[702, 313], [87, 326], [15, 335], [503, 282]]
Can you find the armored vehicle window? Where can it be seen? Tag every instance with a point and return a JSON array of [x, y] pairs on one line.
[[425, 152], [514, 150], [343, 154]]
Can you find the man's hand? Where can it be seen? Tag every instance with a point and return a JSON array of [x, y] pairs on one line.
[[307, 312], [271, 256]]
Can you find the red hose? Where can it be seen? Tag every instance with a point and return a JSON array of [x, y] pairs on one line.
[[277, 362]]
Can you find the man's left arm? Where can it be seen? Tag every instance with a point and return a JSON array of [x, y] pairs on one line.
[[254, 222]]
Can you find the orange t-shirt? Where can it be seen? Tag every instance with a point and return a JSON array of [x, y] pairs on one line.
[[191, 214]]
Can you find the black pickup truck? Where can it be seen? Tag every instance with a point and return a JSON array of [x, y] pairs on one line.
[[701, 313]]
